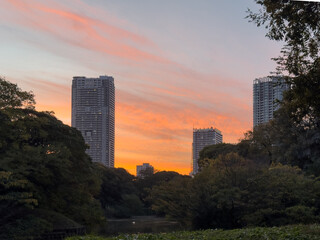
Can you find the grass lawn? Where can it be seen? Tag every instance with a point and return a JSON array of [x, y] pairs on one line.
[[297, 232]]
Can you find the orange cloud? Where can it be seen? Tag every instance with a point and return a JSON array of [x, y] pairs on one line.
[[152, 130], [164, 121]]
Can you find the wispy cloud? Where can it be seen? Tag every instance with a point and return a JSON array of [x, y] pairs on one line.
[[80, 30]]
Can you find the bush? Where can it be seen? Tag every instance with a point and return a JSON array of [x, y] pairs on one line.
[[300, 232]]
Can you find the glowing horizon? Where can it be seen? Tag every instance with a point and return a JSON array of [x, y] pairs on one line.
[[169, 78]]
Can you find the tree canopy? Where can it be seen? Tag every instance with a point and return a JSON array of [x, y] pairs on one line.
[[43, 164], [297, 24], [118, 194], [234, 192], [295, 130], [11, 96]]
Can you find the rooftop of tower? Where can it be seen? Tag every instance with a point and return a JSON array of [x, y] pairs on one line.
[[206, 129]]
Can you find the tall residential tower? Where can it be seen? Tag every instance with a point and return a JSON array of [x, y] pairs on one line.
[[93, 106], [266, 92], [201, 139]]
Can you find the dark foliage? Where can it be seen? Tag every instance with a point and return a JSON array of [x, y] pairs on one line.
[[144, 186], [118, 195], [43, 166], [234, 192], [297, 24]]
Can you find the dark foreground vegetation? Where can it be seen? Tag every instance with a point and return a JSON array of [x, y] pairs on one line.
[[299, 232], [47, 181], [270, 178]]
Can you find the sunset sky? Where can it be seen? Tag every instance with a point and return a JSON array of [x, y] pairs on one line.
[[176, 64]]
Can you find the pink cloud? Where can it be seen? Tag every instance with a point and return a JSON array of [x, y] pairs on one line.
[[82, 31]]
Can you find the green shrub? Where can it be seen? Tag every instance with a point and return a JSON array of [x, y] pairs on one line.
[[299, 232]]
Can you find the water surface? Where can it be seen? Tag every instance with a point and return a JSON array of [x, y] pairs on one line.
[[140, 224]]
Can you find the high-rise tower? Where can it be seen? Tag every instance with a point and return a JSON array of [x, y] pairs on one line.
[[93, 106], [201, 139], [265, 93]]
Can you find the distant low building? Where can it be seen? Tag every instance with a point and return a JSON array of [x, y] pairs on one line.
[[202, 138], [143, 169]]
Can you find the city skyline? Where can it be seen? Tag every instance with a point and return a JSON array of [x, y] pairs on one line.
[[169, 77]]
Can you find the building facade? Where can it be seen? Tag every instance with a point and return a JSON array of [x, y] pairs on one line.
[[266, 92], [93, 114], [201, 139], [142, 168]]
